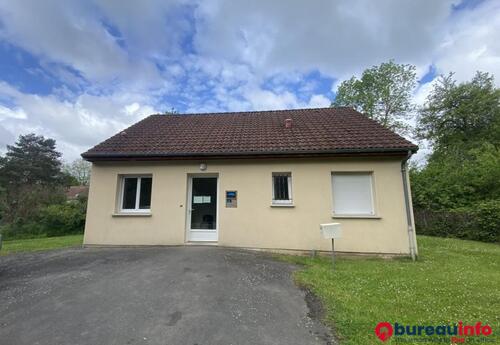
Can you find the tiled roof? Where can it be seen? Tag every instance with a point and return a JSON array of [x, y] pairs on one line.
[[73, 192], [256, 133]]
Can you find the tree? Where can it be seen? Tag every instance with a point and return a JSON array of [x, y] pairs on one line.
[[32, 160], [461, 116], [462, 121], [30, 176], [458, 192], [80, 170], [457, 179], [172, 111], [384, 93]]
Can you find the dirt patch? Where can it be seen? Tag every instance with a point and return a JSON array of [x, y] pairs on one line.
[[316, 310]]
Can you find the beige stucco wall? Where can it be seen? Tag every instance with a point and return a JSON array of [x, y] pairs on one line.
[[254, 223]]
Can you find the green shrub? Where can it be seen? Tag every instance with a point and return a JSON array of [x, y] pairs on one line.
[[458, 179], [52, 220], [21, 229], [486, 220], [63, 219], [480, 222]]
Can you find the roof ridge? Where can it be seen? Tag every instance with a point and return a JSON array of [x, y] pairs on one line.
[[255, 111]]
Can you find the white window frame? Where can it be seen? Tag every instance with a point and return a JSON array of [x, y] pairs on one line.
[[290, 195], [137, 194], [373, 213]]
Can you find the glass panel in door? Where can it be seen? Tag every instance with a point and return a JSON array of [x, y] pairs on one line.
[[204, 203]]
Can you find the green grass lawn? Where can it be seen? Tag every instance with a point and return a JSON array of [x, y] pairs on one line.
[[44, 243], [453, 280]]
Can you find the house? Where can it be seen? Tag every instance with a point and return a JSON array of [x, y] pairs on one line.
[[75, 192], [263, 179]]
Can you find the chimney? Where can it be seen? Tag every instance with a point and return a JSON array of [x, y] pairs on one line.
[[288, 123]]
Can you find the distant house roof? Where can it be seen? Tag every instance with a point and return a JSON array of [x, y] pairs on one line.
[[74, 192], [299, 132]]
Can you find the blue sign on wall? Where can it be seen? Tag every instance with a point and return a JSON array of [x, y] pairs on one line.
[[231, 198]]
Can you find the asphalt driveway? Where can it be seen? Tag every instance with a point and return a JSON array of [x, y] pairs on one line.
[[160, 295]]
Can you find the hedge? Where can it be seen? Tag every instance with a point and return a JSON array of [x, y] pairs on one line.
[[480, 222]]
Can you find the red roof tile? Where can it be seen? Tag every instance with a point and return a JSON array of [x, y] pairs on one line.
[[257, 133]]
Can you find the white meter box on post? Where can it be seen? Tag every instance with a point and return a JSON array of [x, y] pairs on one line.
[[331, 230]]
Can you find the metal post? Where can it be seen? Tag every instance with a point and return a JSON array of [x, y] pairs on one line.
[[333, 253]]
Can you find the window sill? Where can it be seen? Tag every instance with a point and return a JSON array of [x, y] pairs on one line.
[[282, 205], [353, 216], [132, 214]]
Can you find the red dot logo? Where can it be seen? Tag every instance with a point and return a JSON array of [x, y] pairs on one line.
[[384, 330]]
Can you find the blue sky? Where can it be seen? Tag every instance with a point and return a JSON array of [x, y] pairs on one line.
[[79, 71]]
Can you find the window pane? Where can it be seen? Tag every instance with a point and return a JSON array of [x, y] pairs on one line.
[[145, 197], [352, 194], [129, 192], [281, 187]]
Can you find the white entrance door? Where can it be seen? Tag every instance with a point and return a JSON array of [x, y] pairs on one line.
[[202, 208]]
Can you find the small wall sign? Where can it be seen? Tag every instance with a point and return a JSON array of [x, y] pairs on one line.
[[231, 198]]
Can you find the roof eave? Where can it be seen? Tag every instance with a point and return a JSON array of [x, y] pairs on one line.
[[112, 156]]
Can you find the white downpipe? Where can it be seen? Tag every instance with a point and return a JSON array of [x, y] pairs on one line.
[[411, 230]]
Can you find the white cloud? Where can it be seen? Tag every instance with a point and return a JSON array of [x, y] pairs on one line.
[[76, 125], [337, 37], [319, 101], [6, 138], [472, 43], [132, 108], [14, 113], [148, 27], [70, 33], [422, 92], [264, 99]]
